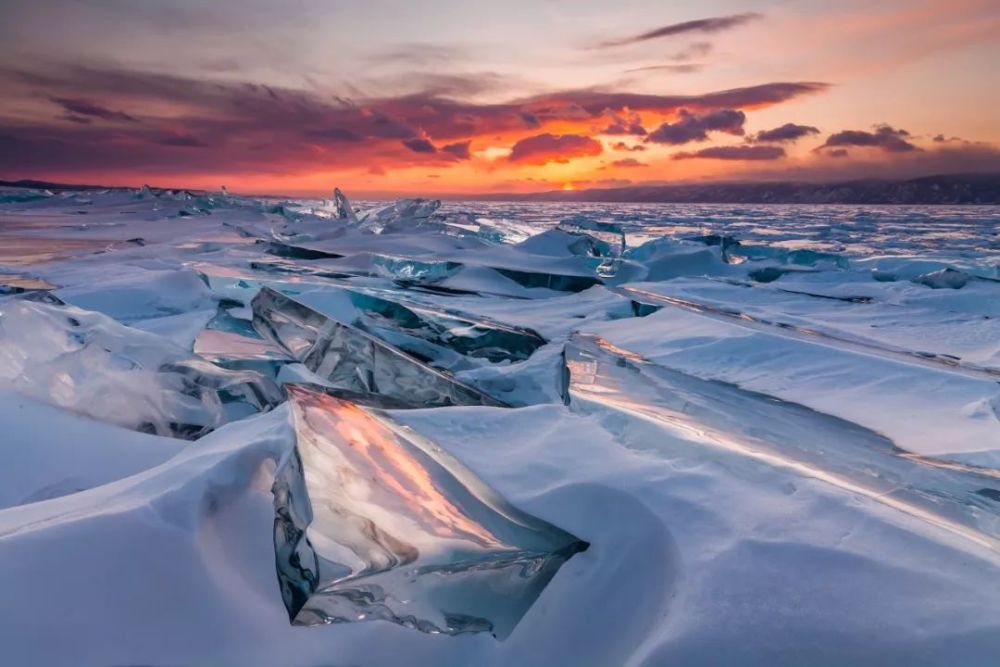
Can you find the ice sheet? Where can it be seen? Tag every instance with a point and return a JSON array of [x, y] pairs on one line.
[[851, 353]]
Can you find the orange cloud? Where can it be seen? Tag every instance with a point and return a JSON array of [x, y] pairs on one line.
[[545, 148]]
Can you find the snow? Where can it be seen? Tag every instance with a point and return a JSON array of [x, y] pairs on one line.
[[826, 492]]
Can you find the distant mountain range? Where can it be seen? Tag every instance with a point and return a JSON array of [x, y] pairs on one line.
[[947, 189], [944, 189]]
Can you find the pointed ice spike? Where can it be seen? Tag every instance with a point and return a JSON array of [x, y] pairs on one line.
[[351, 359], [343, 207], [735, 421], [374, 522]]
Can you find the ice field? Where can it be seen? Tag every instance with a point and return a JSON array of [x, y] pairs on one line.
[[245, 431]]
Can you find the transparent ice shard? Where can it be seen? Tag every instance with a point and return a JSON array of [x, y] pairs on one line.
[[291, 251], [86, 362], [946, 278], [236, 351], [431, 334], [352, 359], [404, 268], [962, 499], [374, 522], [343, 208], [402, 215], [796, 257], [611, 237], [552, 281]]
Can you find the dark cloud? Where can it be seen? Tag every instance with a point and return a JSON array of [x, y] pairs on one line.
[[837, 152], [786, 133], [622, 146], [459, 149], [709, 25], [630, 124], [629, 162], [543, 148], [419, 145], [743, 152], [81, 107], [530, 119], [695, 127], [884, 137]]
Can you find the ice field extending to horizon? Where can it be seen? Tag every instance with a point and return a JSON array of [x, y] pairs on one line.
[[244, 431]]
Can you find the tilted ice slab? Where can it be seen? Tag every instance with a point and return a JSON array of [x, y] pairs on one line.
[[372, 522], [966, 344], [925, 408], [424, 331], [354, 360], [962, 499], [88, 363]]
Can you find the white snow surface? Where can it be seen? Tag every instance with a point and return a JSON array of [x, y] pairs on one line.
[[118, 547]]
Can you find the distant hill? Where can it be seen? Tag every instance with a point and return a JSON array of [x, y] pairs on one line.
[[944, 189], [948, 189], [46, 185]]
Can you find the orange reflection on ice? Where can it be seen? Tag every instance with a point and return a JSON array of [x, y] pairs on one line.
[[387, 462]]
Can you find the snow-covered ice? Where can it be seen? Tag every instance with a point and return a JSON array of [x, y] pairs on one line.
[[243, 431]]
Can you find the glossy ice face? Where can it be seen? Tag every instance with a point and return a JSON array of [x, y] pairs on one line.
[[757, 428], [374, 522], [351, 359]]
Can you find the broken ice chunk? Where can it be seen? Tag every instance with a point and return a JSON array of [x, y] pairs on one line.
[[398, 216], [238, 352], [433, 335], [610, 235], [87, 362], [759, 427], [946, 278], [373, 522], [343, 207], [352, 359]]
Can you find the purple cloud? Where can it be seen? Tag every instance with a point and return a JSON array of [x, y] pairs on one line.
[[622, 125], [629, 162], [743, 152], [695, 127], [420, 145], [82, 107], [622, 146], [459, 150], [786, 133], [709, 25], [884, 137]]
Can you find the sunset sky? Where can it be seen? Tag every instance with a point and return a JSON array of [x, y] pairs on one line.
[[462, 96]]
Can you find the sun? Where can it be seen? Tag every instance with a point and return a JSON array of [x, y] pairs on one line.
[[568, 186]]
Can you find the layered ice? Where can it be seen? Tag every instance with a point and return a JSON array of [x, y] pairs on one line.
[[352, 359], [373, 522], [960, 498], [90, 364]]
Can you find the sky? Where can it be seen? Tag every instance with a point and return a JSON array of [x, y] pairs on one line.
[[391, 97]]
